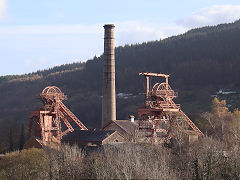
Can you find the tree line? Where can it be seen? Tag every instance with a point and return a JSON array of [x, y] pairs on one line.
[[215, 156]]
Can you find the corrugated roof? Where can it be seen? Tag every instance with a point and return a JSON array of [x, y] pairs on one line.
[[87, 135]]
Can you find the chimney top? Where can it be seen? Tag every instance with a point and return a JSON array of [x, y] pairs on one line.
[[109, 26], [131, 117]]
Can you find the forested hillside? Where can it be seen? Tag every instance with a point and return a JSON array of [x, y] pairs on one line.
[[200, 62]]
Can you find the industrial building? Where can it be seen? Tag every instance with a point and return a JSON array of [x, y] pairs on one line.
[[93, 138], [159, 120]]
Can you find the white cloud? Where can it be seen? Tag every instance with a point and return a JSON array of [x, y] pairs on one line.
[[127, 32], [131, 32], [42, 61], [36, 64], [211, 16], [27, 62], [3, 8]]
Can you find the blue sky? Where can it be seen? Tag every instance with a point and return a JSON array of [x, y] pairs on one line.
[[36, 35]]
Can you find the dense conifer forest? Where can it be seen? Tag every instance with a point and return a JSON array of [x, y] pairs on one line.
[[200, 61]]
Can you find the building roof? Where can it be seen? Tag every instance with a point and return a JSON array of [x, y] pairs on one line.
[[128, 126], [88, 135]]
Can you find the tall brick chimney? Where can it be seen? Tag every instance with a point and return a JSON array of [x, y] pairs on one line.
[[109, 92]]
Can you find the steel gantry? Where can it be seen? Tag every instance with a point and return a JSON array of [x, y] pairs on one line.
[[54, 119], [156, 117]]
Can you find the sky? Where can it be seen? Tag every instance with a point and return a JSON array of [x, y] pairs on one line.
[[40, 34]]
